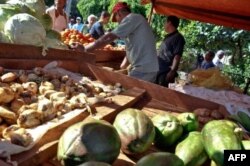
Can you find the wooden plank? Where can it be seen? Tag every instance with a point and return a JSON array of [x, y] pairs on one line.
[[15, 51], [112, 64], [14, 56], [28, 64], [120, 102], [47, 147], [175, 98], [109, 55]]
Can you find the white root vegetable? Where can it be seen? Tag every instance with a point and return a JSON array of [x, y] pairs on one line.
[[6, 113], [6, 95], [9, 77], [17, 135], [16, 105], [30, 87], [46, 85], [29, 118]]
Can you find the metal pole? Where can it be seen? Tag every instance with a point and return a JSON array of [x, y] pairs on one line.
[[150, 14], [68, 7]]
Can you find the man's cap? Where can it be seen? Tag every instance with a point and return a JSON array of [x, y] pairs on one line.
[[78, 18], [118, 6]]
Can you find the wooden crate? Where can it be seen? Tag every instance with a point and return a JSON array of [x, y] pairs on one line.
[[26, 57], [24, 53], [143, 95], [152, 108], [46, 148], [109, 58], [108, 55]]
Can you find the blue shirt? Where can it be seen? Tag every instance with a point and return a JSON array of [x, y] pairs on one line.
[[206, 65], [96, 30], [79, 27]]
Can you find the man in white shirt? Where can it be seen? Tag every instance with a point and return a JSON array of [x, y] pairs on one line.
[[139, 39], [58, 15], [217, 60]]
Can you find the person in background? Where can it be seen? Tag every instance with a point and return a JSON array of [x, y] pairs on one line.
[[71, 23], [217, 60], [139, 39], [78, 25], [97, 30], [170, 52], [91, 20], [58, 15], [208, 60], [199, 60]]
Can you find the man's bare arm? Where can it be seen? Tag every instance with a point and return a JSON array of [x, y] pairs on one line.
[[124, 63], [101, 42], [176, 63]]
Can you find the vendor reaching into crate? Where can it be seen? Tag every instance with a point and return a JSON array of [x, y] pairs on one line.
[[140, 43]]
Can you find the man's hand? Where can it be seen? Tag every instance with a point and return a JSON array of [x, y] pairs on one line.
[[89, 47], [77, 47], [170, 76]]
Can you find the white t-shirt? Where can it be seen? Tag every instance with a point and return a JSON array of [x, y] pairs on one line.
[[217, 62], [140, 43], [59, 22]]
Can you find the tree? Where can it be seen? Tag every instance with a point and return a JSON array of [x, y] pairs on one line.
[[201, 37], [87, 7]]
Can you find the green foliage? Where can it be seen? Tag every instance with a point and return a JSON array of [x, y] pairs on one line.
[[201, 37], [49, 2], [87, 7]]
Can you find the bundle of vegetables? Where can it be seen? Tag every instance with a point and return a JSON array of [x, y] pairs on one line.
[[189, 147], [8, 10], [69, 36], [26, 20], [25, 29], [31, 98], [35, 8]]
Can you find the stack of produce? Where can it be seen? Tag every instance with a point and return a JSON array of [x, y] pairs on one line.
[[28, 99], [25, 22], [114, 48], [69, 36], [178, 137]]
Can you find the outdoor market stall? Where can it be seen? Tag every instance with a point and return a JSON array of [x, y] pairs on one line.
[[150, 99], [138, 94]]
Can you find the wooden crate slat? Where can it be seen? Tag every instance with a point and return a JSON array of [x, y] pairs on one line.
[[47, 147]]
